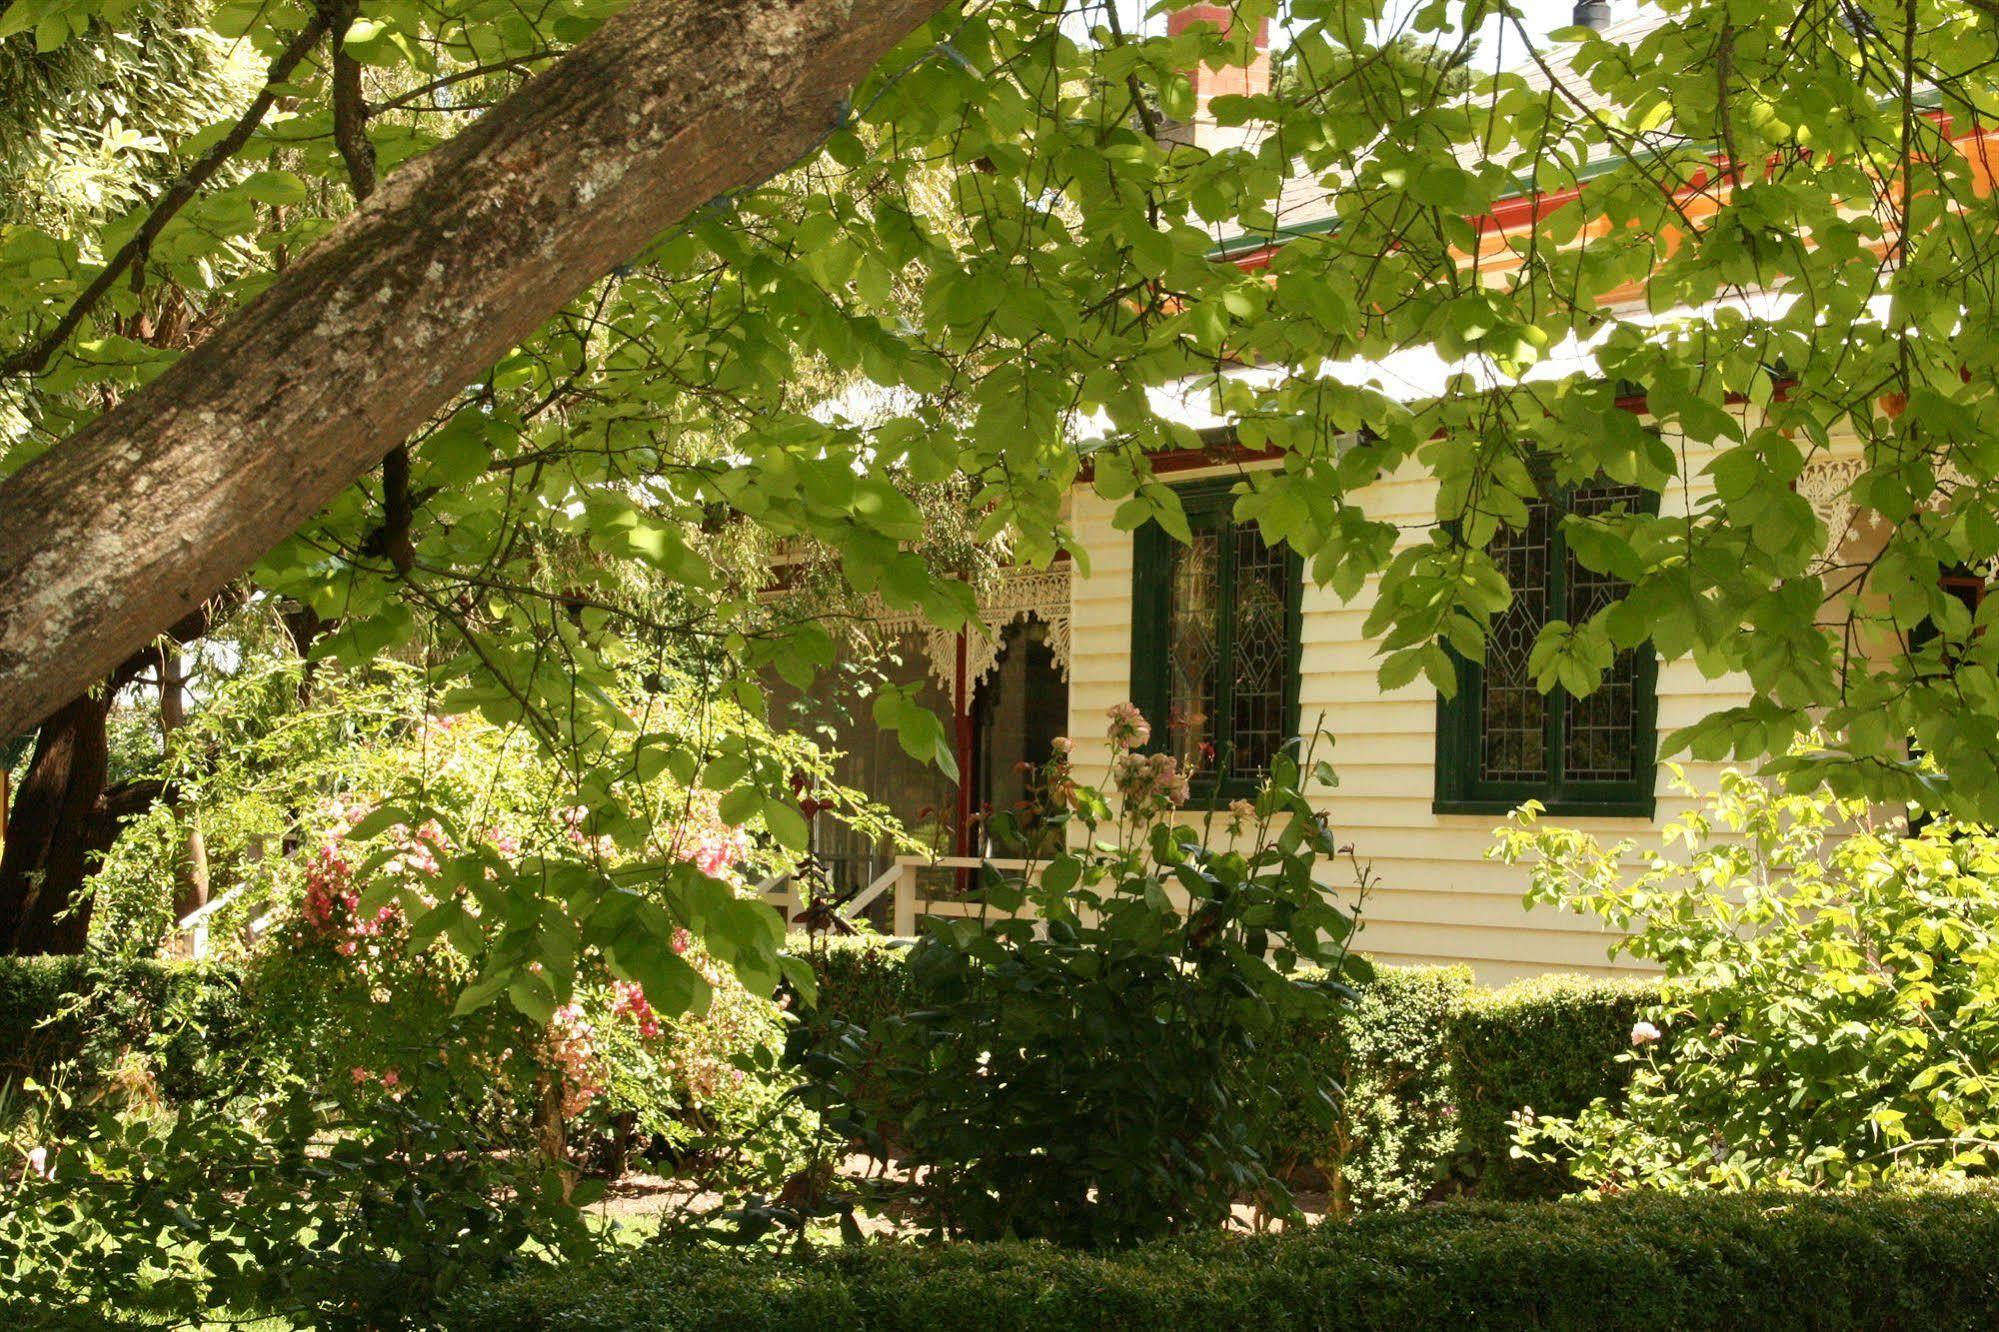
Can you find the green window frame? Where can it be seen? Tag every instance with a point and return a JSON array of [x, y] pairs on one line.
[[1500, 742], [1215, 642]]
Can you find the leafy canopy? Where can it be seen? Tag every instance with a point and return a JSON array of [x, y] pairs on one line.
[[996, 257]]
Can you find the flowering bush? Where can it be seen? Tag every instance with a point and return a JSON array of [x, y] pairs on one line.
[[1830, 1012], [354, 995], [1081, 1068]]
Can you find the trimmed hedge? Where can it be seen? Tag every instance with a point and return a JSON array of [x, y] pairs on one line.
[[1396, 1138], [1550, 1043], [1654, 1261], [862, 979], [1432, 1065], [95, 1015]]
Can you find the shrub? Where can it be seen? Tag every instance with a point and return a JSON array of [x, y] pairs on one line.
[[1883, 1260], [1394, 1139], [1084, 1075], [1830, 1008], [862, 980], [1432, 1069], [166, 1027], [1553, 1043], [351, 1212]]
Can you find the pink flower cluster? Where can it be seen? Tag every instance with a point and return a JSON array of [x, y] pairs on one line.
[[714, 856], [332, 906], [333, 903], [1149, 782], [704, 841], [330, 897], [417, 854], [628, 999], [1129, 729]]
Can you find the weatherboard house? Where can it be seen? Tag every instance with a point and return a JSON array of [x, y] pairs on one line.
[[1229, 636]]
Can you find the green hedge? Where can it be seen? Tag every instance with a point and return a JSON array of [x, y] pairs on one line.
[[1396, 1138], [1432, 1065], [1550, 1043], [1916, 1260], [101, 1020], [861, 979]]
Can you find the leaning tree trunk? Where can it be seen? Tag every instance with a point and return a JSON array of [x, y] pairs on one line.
[[50, 832], [113, 534]]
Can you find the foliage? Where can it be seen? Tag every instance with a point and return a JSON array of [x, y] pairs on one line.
[[1918, 1259], [262, 771], [172, 1030], [995, 256], [342, 1101], [1082, 1073], [1393, 1139], [1830, 1013], [1431, 1070], [1552, 1044], [862, 980], [352, 1211]]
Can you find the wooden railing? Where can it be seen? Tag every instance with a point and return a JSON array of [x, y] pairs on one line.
[[902, 883], [191, 932]]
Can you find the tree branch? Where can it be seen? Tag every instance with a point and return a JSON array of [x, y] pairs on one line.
[[350, 108], [458, 256], [32, 358], [424, 90]]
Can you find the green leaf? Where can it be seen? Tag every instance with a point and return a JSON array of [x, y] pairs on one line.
[[787, 825]]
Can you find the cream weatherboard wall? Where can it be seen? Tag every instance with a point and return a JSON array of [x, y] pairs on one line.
[[1438, 898]]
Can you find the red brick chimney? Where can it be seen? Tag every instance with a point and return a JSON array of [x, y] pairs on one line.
[[1231, 80]]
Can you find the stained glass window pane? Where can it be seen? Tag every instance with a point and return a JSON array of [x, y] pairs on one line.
[[1193, 642], [1514, 734], [1261, 655], [1600, 741]]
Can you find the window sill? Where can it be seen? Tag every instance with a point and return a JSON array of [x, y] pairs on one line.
[[1559, 809], [1212, 799]]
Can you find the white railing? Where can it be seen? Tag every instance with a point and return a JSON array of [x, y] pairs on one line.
[[191, 932], [194, 925], [903, 881]]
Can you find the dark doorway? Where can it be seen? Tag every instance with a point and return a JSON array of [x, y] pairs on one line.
[[1017, 712]]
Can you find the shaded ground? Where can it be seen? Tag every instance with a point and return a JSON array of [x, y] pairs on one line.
[[642, 1199]]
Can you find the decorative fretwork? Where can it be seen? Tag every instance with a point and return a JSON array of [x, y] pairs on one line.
[[1039, 594], [1827, 485]]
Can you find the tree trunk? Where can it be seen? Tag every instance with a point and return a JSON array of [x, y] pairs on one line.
[[551, 1127], [191, 870], [45, 861], [130, 524]]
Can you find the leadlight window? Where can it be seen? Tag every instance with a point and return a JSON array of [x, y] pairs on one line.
[[1214, 661], [1500, 740]]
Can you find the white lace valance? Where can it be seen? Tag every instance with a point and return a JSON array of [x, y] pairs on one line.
[[1827, 486], [1039, 594]]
